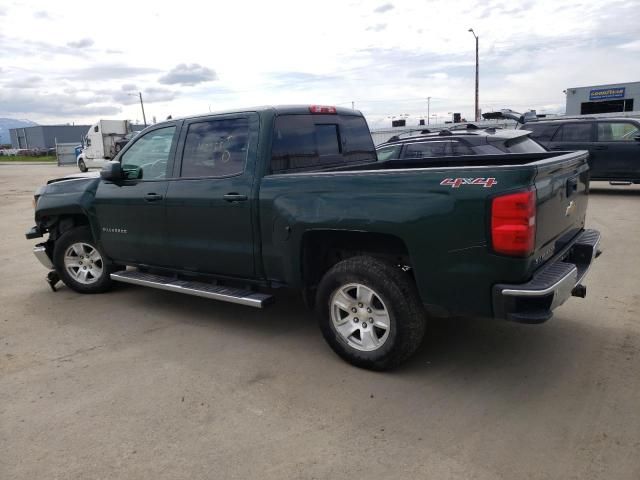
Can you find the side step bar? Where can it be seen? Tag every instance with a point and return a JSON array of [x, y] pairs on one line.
[[198, 289]]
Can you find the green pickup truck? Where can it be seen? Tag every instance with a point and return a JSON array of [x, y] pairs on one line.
[[234, 205]]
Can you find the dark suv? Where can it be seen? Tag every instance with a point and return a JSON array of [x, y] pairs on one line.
[[470, 141], [613, 143]]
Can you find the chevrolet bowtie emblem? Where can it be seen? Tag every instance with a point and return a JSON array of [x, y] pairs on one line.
[[570, 208]]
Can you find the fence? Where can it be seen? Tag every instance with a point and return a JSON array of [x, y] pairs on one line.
[[66, 153]]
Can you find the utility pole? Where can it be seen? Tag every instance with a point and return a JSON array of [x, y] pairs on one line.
[[477, 113], [144, 117], [353, 105], [428, 109]]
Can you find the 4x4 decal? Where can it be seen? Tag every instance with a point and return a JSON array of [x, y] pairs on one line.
[[457, 182]]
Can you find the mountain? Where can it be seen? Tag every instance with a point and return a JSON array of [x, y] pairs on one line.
[[7, 123]]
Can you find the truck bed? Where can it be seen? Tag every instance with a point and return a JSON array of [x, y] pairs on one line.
[[445, 228]]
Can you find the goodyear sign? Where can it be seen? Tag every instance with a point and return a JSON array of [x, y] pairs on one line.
[[606, 93]]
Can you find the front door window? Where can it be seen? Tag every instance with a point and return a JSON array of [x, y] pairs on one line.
[[148, 157]]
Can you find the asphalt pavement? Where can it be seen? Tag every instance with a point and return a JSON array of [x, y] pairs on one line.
[[144, 384]]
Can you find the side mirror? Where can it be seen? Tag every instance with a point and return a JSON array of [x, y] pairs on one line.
[[112, 172], [637, 138]]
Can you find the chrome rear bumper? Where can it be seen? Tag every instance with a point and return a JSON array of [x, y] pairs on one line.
[[551, 285]]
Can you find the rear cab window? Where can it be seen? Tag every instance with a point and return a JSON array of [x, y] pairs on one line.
[[304, 142]]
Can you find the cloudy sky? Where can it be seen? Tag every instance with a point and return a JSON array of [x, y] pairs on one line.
[[78, 61]]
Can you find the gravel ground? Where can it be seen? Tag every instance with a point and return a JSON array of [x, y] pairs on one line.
[[139, 383]]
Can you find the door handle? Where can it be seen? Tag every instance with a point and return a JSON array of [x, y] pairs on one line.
[[600, 147], [152, 197], [556, 148], [235, 197]]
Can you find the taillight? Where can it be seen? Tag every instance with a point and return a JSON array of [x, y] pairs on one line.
[[322, 109], [513, 223]]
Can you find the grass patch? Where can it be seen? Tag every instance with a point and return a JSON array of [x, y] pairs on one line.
[[18, 158]]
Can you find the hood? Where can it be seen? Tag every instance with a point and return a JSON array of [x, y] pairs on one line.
[[75, 176]]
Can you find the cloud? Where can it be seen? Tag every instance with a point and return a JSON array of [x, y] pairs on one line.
[[28, 82], [43, 15], [631, 46], [82, 43], [110, 71], [19, 102], [188, 75], [128, 95], [3, 11], [384, 8], [158, 94], [377, 28]]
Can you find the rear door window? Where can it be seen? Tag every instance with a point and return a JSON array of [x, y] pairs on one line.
[[459, 148], [541, 132], [425, 149], [574, 132], [216, 148], [617, 131], [388, 153]]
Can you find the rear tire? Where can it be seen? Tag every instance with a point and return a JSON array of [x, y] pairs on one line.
[[82, 166], [370, 313], [82, 266]]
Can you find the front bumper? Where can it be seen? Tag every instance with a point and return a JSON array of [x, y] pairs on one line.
[[551, 286], [40, 251]]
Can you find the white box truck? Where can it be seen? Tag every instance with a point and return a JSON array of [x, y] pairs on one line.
[[102, 143]]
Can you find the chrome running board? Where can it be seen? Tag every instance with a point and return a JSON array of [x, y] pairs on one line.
[[189, 287]]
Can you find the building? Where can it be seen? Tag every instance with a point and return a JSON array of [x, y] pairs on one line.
[[46, 136], [613, 98]]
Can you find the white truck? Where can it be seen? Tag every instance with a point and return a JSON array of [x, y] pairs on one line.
[[102, 143]]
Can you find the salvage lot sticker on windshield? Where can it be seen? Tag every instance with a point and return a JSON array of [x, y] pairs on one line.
[[458, 182]]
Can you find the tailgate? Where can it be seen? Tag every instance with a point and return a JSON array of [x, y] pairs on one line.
[[562, 187]]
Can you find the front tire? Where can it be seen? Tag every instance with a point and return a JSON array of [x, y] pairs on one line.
[[82, 166], [82, 266], [370, 313]]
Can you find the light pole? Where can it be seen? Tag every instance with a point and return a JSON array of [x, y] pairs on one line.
[[428, 108], [477, 68], [144, 117]]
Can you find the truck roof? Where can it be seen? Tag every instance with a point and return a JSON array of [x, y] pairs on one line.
[[275, 109]]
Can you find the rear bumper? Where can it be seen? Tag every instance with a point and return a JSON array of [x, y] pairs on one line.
[[551, 286]]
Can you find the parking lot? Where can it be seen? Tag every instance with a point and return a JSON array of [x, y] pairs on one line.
[[140, 383]]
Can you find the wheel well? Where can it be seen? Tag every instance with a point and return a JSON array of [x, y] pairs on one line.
[[60, 224], [323, 249]]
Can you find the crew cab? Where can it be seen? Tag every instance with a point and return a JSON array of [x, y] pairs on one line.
[[228, 205]]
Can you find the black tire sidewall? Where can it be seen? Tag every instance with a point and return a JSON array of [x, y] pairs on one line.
[[400, 299], [82, 166], [75, 235]]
